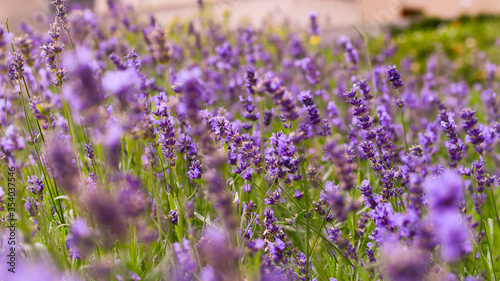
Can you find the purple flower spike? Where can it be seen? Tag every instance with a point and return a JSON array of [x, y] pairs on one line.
[[394, 76]]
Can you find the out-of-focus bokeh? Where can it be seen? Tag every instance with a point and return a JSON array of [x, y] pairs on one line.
[[333, 14]]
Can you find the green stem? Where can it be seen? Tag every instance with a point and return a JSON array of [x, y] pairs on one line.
[[403, 121], [308, 225], [262, 159], [5, 100]]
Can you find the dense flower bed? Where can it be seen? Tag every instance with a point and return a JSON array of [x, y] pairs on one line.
[[132, 151]]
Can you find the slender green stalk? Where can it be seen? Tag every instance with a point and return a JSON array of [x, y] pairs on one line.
[[5, 102], [308, 222], [403, 121], [262, 158]]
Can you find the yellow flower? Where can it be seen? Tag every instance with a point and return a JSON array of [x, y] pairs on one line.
[[314, 40]]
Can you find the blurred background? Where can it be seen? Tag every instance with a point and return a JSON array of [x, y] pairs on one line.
[[332, 14]]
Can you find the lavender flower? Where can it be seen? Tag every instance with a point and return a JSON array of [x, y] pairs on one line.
[[106, 212], [444, 195], [89, 150], [61, 12], [336, 156], [36, 186], [309, 105], [400, 263], [455, 145], [31, 206], [122, 84], [82, 237], [350, 53], [84, 91], [63, 164], [251, 81], [314, 29], [394, 76], [369, 198], [16, 67], [185, 262]]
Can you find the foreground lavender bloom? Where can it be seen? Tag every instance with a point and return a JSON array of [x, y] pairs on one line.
[[281, 160], [89, 150], [50, 53], [482, 179], [81, 237], [84, 90], [167, 139], [16, 67], [334, 197], [453, 235], [61, 12], [469, 118], [36, 185], [444, 195], [11, 141], [394, 76], [39, 270], [31, 206], [185, 262], [217, 248], [106, 212], [122, 84], [116, 61], [369, 198], [310, 106], [132, 202], [133, 60], [404, 264], [62, 162], [173, 216], [360, 111], [195, 170], [364, 89]]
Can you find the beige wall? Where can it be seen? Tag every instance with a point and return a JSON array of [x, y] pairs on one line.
[[18, 11], [333, 14]]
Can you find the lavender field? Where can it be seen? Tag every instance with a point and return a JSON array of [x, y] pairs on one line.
[[134, 150]]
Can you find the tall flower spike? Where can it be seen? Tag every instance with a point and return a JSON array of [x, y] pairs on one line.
[[251, 81], [89, 149], [310, 107], [61, 12], [394, 76], [350, 53], [16, 67], [314, 29], [62, 160]]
